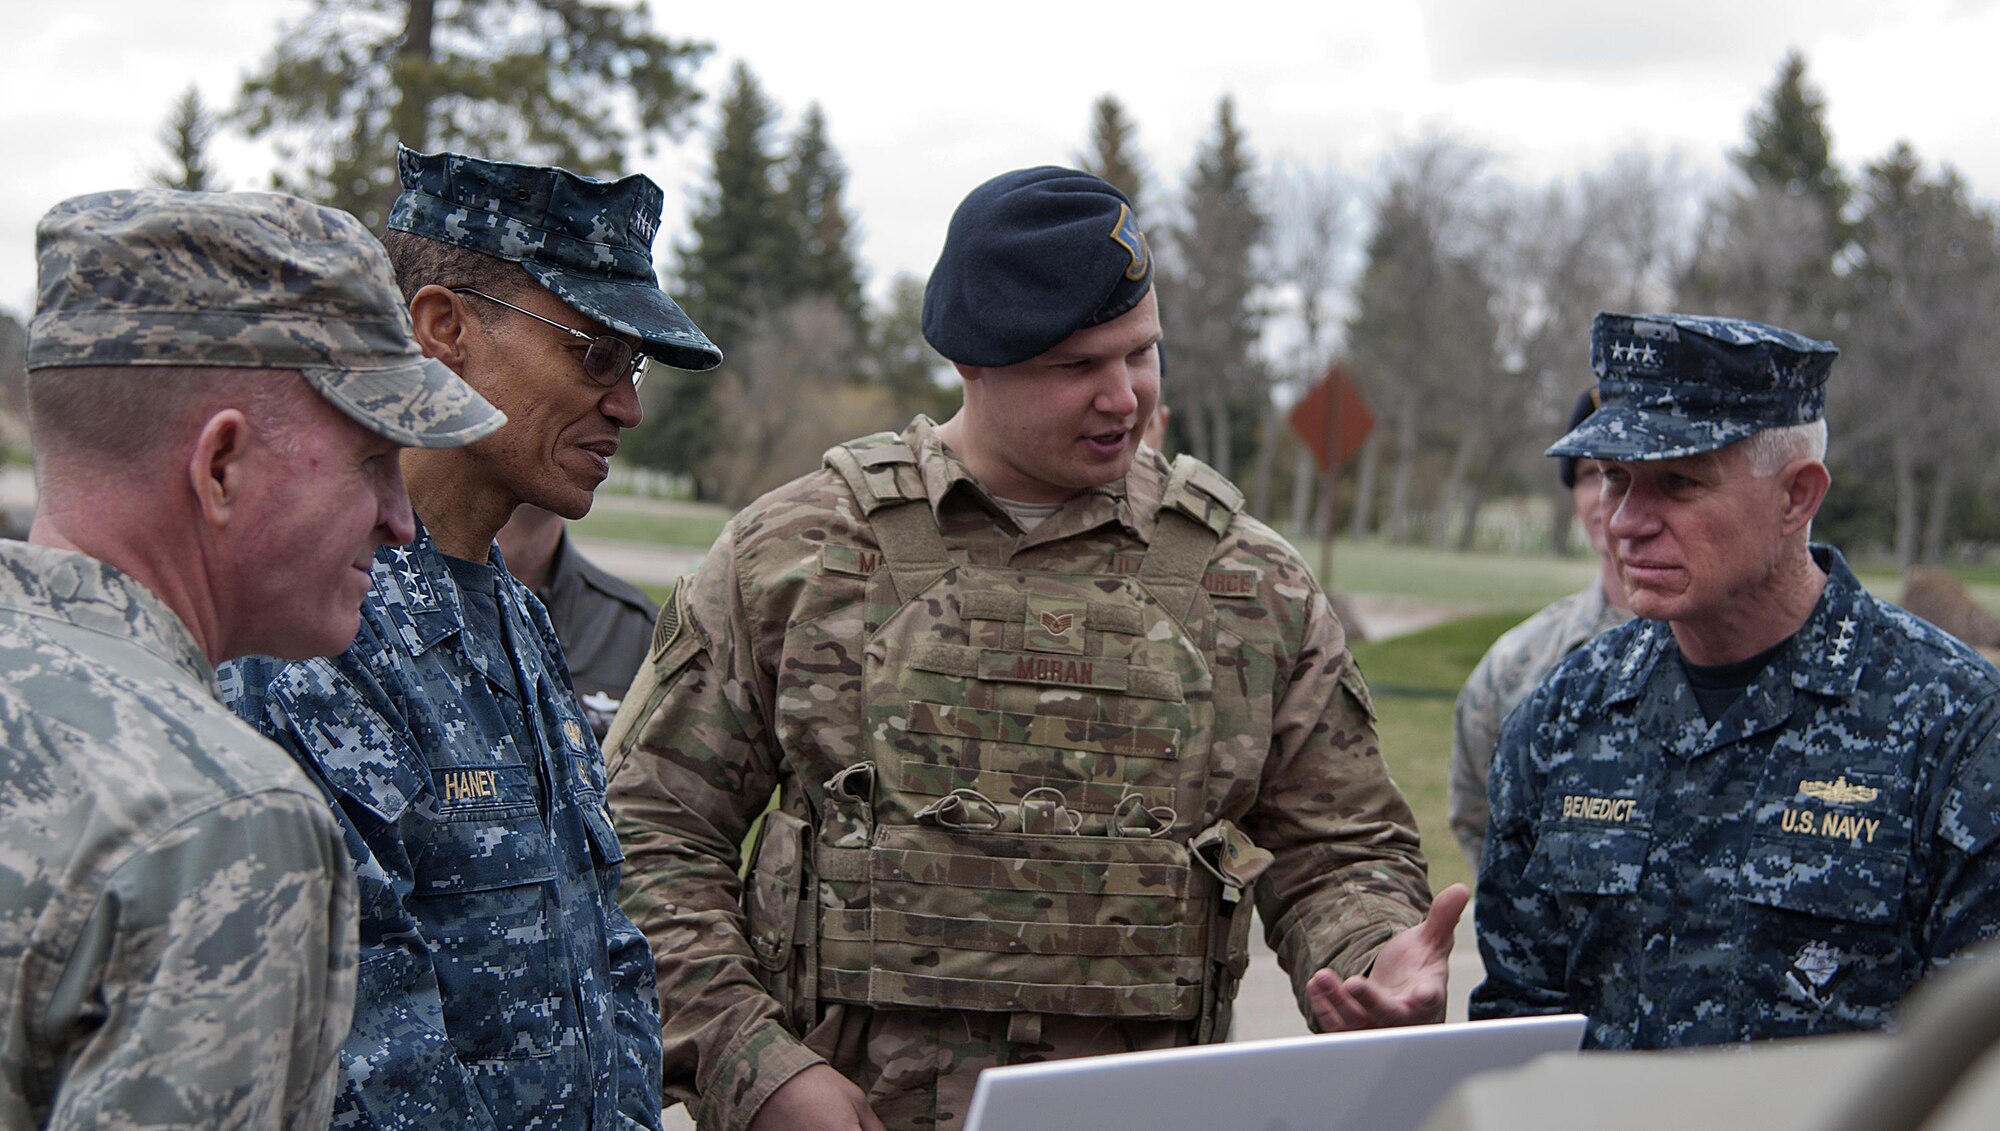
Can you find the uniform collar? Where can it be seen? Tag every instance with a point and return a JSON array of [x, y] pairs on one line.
[[1824, 656], [413, 589], [77, 589], [1132, 501]]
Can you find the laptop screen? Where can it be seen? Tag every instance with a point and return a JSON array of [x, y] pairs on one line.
[[1376, 1080]]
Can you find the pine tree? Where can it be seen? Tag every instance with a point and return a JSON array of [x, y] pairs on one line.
[[1769, 247], [185, 137], [824, 263], [902, 362], [1111, 156], [1915, 369], [13, 386], [563, 82], [1218, 385], [1789, 147], [733, 267]]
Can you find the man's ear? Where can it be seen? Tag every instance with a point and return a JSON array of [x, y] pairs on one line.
[[968, 373], [442, 326], [1805, 481], [220, 467]]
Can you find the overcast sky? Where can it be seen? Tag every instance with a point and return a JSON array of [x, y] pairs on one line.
[[925, 100]]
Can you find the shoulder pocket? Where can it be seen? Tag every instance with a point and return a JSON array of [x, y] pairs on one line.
[[1356, 686], [676, 642]]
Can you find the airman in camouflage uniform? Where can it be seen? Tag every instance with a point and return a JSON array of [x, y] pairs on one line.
[[212, 376], [1770, 807], [1044, 713], [1517, 661], [501, 986]]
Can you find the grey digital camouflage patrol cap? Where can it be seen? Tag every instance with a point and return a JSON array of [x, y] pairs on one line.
[[589, 242], [256, 280], [1677, 385]]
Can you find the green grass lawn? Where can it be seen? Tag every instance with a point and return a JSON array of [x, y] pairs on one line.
[[683, 526], [1500, 581], [1414, 680]]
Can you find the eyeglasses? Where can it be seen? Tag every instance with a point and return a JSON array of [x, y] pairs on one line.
[[608, 361]]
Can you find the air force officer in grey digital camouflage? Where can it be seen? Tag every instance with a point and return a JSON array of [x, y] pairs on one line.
[[218, 386]]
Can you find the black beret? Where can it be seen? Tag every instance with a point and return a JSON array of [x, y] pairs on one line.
[[1031, 257]]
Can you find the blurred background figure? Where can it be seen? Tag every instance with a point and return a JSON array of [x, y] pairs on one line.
[[603, 623], [1520, 658]]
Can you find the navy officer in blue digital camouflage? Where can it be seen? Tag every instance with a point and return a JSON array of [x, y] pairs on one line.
[[1769, 806], [500, 984]]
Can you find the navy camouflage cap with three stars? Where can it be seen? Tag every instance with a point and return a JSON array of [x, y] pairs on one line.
[[590, 242], [1676, 385]]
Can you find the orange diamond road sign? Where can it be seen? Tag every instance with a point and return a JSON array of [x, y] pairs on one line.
[[1333, 428]]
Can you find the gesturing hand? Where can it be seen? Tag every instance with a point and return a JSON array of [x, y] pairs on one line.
[[1405, 986]]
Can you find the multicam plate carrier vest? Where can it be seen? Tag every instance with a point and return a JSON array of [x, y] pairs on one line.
[[1021, 836]]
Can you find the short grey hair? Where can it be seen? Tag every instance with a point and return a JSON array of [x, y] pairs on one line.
[[104, 421], [1770, 450]]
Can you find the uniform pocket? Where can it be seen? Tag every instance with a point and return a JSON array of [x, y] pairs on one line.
[[1081, 925], [480, 888], [1831, 882], [597, 824], [1606, 861], [1832, 943]]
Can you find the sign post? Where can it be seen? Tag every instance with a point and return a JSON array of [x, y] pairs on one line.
[[1333, 421]]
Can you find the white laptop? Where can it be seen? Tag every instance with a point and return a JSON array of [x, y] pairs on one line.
[[1377, 1080]]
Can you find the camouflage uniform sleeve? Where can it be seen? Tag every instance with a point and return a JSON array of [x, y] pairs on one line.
[[1475, 730], [1521, 939], [215, 978], [1348, 872], [693, 762], [1966, 910]]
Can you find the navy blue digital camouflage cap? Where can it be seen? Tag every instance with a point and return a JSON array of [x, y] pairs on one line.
[[589, 242], [256, 280], [1030, 258], [1677, 385]]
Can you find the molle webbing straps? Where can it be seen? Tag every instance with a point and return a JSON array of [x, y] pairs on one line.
[[1195, 512], [882, 472]]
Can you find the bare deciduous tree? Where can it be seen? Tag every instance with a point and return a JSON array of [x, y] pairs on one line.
[[1420, 328], [1921, 346], [1307, 249], [788, 394]]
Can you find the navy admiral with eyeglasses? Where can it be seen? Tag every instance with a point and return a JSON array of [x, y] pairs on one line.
[[500, 985]]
